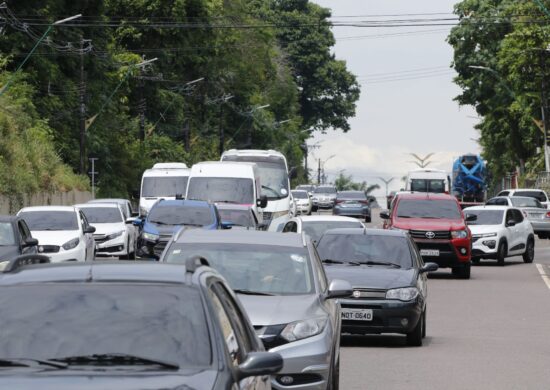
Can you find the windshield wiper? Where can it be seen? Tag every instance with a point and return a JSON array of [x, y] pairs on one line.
[[330, 261], [250, 292], [24, 362], [114, 359], [387, 263]]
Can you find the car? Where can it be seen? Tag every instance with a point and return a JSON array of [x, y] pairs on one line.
[[63, 232], [306, 187], [282, 285], [536, 212], [324, 197], [127, 208], [238, 216], [352, 204], [144, 325], [388, 275], [277, 224], [315, 225], [500, 232], [540, 195], [115, 236], [166, 217], [15, 238], [303, 202], [438, 227]]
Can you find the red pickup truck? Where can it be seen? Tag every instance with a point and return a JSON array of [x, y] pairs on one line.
[[437, 225]]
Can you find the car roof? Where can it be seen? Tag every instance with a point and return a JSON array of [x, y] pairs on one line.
[[327, 218], [48, 208], [238, 236], [478, 208], [524, 189], [110, 205], [299, 191], [425, 195], [8, 218], [367, 232]]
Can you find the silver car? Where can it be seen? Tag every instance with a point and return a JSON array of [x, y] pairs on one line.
[[283, 287], [531, 208]]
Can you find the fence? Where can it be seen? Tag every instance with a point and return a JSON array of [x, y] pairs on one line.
[[10, 205]]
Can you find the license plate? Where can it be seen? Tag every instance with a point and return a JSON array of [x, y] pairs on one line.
[[429, 252], [357, 314]]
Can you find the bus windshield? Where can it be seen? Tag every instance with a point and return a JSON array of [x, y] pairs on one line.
[[155, 186]]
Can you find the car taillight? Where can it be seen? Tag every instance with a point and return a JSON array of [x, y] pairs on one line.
[[548, 214], [339, 201], [364, 202]]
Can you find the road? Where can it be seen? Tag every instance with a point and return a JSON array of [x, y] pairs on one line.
[[489, 332]]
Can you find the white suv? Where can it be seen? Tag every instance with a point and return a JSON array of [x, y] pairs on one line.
[[500, 232], [540, 195]]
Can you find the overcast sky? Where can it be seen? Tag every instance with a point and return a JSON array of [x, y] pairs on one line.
[[406, 103]]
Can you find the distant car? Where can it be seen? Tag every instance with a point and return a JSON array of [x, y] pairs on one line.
[[63, 232], [15, 238], [282, 285], [352, 204], [108, 325], [323, 197], [316, 225], [536, 212], [303, 202], [114, 235], [388, 277], [500, 232], [310, 188], [540, 195], [126, 205], [239, 216]]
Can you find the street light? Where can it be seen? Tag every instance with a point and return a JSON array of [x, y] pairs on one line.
[[50, 27], [319, 168], [386, 182], [251, 113]]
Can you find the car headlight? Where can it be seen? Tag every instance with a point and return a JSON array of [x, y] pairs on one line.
[[150, 236], [71, 244], [115, 235], [3, 265], [459, 234], [303, 329], [485, 235], [403, 294]]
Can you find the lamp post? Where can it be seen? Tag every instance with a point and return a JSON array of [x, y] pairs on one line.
[[249, 137], [387, 182], [323, 168]]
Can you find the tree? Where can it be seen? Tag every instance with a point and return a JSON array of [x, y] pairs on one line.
[[345, 183]]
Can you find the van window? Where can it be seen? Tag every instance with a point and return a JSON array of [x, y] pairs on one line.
[[169, 186], [222, 189], [427, 185], [532, 194]]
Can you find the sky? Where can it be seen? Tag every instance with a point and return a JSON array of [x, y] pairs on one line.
[[407, 93]]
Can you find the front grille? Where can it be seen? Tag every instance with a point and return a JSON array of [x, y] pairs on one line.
[[48, 249], [100, 237], [161, 244], [438, 234]]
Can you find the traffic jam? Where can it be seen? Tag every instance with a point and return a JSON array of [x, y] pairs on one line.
[[223, 277]]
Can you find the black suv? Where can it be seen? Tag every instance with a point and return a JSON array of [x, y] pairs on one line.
[[15, 238], [143, 325]]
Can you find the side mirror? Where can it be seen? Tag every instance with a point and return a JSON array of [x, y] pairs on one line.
[[262, 202], [385, 214], [339, 289], [260, 364], [429, 267], [471, 217], [30, 242], [511, 222], [226, 225], [90, 229], [130, 221], [137, 222]]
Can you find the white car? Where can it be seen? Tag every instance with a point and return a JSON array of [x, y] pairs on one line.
[[278, 224], [63, 232], [114, 235], [316, 225], [304, 204], [500, 232], [540, 195]]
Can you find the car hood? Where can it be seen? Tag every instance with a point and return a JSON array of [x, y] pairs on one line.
[[101, 379], [57, 237], [8, 252], [280, 309], [165, 230], [484, 229], [108, 228], [429, 224], [375, 277]]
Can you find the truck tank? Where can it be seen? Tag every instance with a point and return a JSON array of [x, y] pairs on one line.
[[469, 178]]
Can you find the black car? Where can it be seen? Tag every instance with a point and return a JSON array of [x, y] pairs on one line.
[[138, 326], [352, 204], [388, 278], [15, 238]]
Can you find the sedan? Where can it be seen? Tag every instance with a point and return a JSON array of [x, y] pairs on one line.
[[352, 204], [388, 276]]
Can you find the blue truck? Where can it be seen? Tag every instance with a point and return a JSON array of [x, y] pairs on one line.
[[469, 182]]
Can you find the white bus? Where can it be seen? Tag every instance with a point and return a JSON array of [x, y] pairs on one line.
[[163, 181], [274, 177]]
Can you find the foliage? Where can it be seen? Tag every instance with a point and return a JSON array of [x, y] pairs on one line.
[[345, 183]]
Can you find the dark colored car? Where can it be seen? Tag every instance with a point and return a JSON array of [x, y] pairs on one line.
[[388, 277], [15, 238], [131, 326], [352, 204]]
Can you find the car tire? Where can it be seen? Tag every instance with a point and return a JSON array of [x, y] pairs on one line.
[[368, 219], [414, 338], [529, 254], [424, 324], [502, 252], [476, 260], [462, 271]]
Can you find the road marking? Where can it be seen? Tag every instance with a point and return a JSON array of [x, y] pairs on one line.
[[543, 275]]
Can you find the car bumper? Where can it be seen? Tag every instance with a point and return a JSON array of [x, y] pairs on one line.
[[452, 253], [388, 316], [540, 226], [115, 247], [485, 247], [305, 208], [75, 254]]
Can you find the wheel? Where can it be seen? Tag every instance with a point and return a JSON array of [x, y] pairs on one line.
[[529, 254], [424, 324], [502, 252], [414, 338], [463, 271], [367, 219], [476, 260]]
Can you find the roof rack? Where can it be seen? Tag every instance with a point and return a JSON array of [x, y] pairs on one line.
[[195, 262], [28, 259]]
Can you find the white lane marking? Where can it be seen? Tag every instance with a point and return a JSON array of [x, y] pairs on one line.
[[543, 275]]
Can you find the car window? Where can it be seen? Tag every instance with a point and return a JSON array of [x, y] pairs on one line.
[[319, 270], [518, 216], [532, 194], [509, 216], [22, 233], [315, 229], [290, 227], [503, 193], [7, 236], [427, 208], [526, 202], [85, 222]]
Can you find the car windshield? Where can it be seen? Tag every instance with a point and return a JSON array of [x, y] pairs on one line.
[[532, 194], [428, 185], [169, 186], [7, 238], [102, 214], [50, 220], [352, 195], [325, 190], [237, 217], [157, 322], [526, 202], [299, 194], [181, 215], [486, 217], [315, 229], [365, 247], [222, 189], [266, 269], [425, 208]]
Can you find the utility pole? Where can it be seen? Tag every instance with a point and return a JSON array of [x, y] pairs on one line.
[[186, 134], [387, 182], [82, 167], [544, 112], [142, 105], [224, 99], [93, 173], [319, 171]]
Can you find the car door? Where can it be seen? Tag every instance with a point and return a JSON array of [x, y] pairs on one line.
[[87, 237], [512, 231], [522, 229]]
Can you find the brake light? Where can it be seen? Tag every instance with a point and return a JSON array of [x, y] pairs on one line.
[[548, 214], [339, 201]]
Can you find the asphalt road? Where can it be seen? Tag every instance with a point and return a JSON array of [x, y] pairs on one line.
[[489, 332]]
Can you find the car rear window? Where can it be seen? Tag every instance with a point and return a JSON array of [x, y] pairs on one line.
[[181, 215], [526, 202], [539, 195], [428, 209], [300, 194], [315, 229], [102, 214], [352, 195]]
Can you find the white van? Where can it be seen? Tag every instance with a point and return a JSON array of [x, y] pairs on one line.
[[163, 181], [227, 182], [428, 180]]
